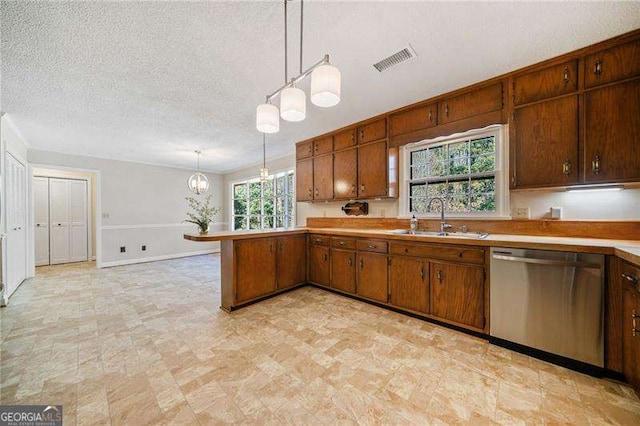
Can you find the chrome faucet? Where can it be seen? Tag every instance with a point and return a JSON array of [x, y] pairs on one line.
[[443, 224]]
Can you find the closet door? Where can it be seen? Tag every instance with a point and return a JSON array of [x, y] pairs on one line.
[[60, 247], [78, 220], [41, 219], [16, 219]]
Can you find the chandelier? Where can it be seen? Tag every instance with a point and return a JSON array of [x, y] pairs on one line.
[[198, 182], [325, 88]]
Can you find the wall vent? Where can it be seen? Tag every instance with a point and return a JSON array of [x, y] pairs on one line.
[[401, 56]]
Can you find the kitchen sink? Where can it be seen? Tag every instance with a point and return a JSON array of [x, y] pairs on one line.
[[473, 236]]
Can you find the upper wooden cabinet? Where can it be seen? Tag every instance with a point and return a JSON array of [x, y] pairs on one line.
[[323, 145], [616, 63], [345, 174], [304, 179], [418, 118], [612, 133], [373, 131], [475, 102], [373, 170], [323, 177], [304, 149], [546, 83], [344, 139], [545, 144]]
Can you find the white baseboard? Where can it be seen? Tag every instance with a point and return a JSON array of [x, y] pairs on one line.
[[156, 258]]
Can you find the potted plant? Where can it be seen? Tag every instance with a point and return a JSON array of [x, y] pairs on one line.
[[202, 213]]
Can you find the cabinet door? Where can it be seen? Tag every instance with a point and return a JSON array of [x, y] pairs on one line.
[[255, 268], [476, 102], [546, 83], [344, 140], [613, 64], [631, 337], [319, 265], [409, 283], [372, 276], [612, 133], [457, 293], [291, 261], [304, 180], [345, 173], [373, 131], [372, 170], [414, 119], [304, 150], [343, 270], [546, 144], [323, 145], [323, 177]]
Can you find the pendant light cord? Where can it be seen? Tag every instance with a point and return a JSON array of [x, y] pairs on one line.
[[286, 71], [264, 151], [301, 32]]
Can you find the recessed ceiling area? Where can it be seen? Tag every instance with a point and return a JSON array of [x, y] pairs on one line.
[[153, 81]]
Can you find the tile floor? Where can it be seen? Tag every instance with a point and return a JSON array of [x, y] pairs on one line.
[[147, 344]]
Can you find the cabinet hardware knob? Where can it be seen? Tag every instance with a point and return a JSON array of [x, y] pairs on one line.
[[341, 243], [634, 329], [310, 192], [422, 273], [317, 192], [513, 180], [566, 167], [565, 76], [325, 257], [406, 250], [316, 147], [430, 117], [630, 278], [440, 276], [361, 134], [353, 189], [59, 224], [362, 187], [350, 261], [318, 240], [38, 225], [597, 67], [595, 165], [353, 136], [361, 263], [371, 246], [446, 110]]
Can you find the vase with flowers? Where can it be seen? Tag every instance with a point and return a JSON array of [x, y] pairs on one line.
[[202, 213]]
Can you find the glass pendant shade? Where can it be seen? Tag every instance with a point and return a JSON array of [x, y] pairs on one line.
[[325, 86], [198, 183], [264, 174], [293, 104], [267, 118]]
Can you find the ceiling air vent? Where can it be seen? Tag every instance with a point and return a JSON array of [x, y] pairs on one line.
[[393, 60]]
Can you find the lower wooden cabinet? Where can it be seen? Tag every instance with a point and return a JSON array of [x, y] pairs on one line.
[[343, 270], [371, 278], [457, 293], [291, 261], [319, 265], [409, 283], [253, 255], [630, 277]]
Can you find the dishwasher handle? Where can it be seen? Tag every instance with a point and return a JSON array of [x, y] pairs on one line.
[[549, 262]]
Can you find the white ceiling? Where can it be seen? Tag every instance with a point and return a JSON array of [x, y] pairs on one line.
[[151, 82]]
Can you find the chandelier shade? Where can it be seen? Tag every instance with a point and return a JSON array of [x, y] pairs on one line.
[[325, 86], [267, 118], [198, 182], [293, 104]]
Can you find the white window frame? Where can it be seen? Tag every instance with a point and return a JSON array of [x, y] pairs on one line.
[[292, 219], [500, 132]]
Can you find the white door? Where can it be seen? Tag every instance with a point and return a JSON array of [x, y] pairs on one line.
[[60, 247], [16, 223], [78, 220], [41, 219]]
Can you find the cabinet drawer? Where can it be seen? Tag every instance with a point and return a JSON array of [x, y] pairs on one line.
[[323, 145], [373, 131], [477, 102], [372, 245], [344, 139], [414, 119], [343, 243], [304, 150], [547, 83], [319, 240], [434, 251], [613, 64]]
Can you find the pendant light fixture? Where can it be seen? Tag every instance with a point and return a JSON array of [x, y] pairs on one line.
[[264, 172], [198, 182], [325, 88]]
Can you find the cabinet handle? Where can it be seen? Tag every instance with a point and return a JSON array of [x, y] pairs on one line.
[[316, 145], [38, 225], [310, 192], [362, 187], [318, 240], [597, 67], [350, 261], [634, 330], [317, 192], [595, 165], [353, 189], [310, 149], [341, 243], [353, 136], [422, 273], [566, 76], [325, 258], [272, 248], [566, 167], [513, 181], [430, 117], [361, 134], [630, 278], [371, 246], [361, 263], [439, 276], [446, 110]]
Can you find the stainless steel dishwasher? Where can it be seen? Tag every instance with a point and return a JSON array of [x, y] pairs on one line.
[[549, 300]]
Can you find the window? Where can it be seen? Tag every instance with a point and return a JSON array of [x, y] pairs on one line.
[[464, 171], [264, 205]]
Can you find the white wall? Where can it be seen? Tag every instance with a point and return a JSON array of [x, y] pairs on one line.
[[140, 204]]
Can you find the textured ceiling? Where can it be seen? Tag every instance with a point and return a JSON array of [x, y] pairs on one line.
[[152, 81]]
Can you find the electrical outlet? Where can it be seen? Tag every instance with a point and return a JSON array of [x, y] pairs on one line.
[[383, 213], [521, 213], [123, 249], [144, 248], [556, 212]]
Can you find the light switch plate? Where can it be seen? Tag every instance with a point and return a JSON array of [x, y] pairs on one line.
[[521, 213], [556, 212]]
